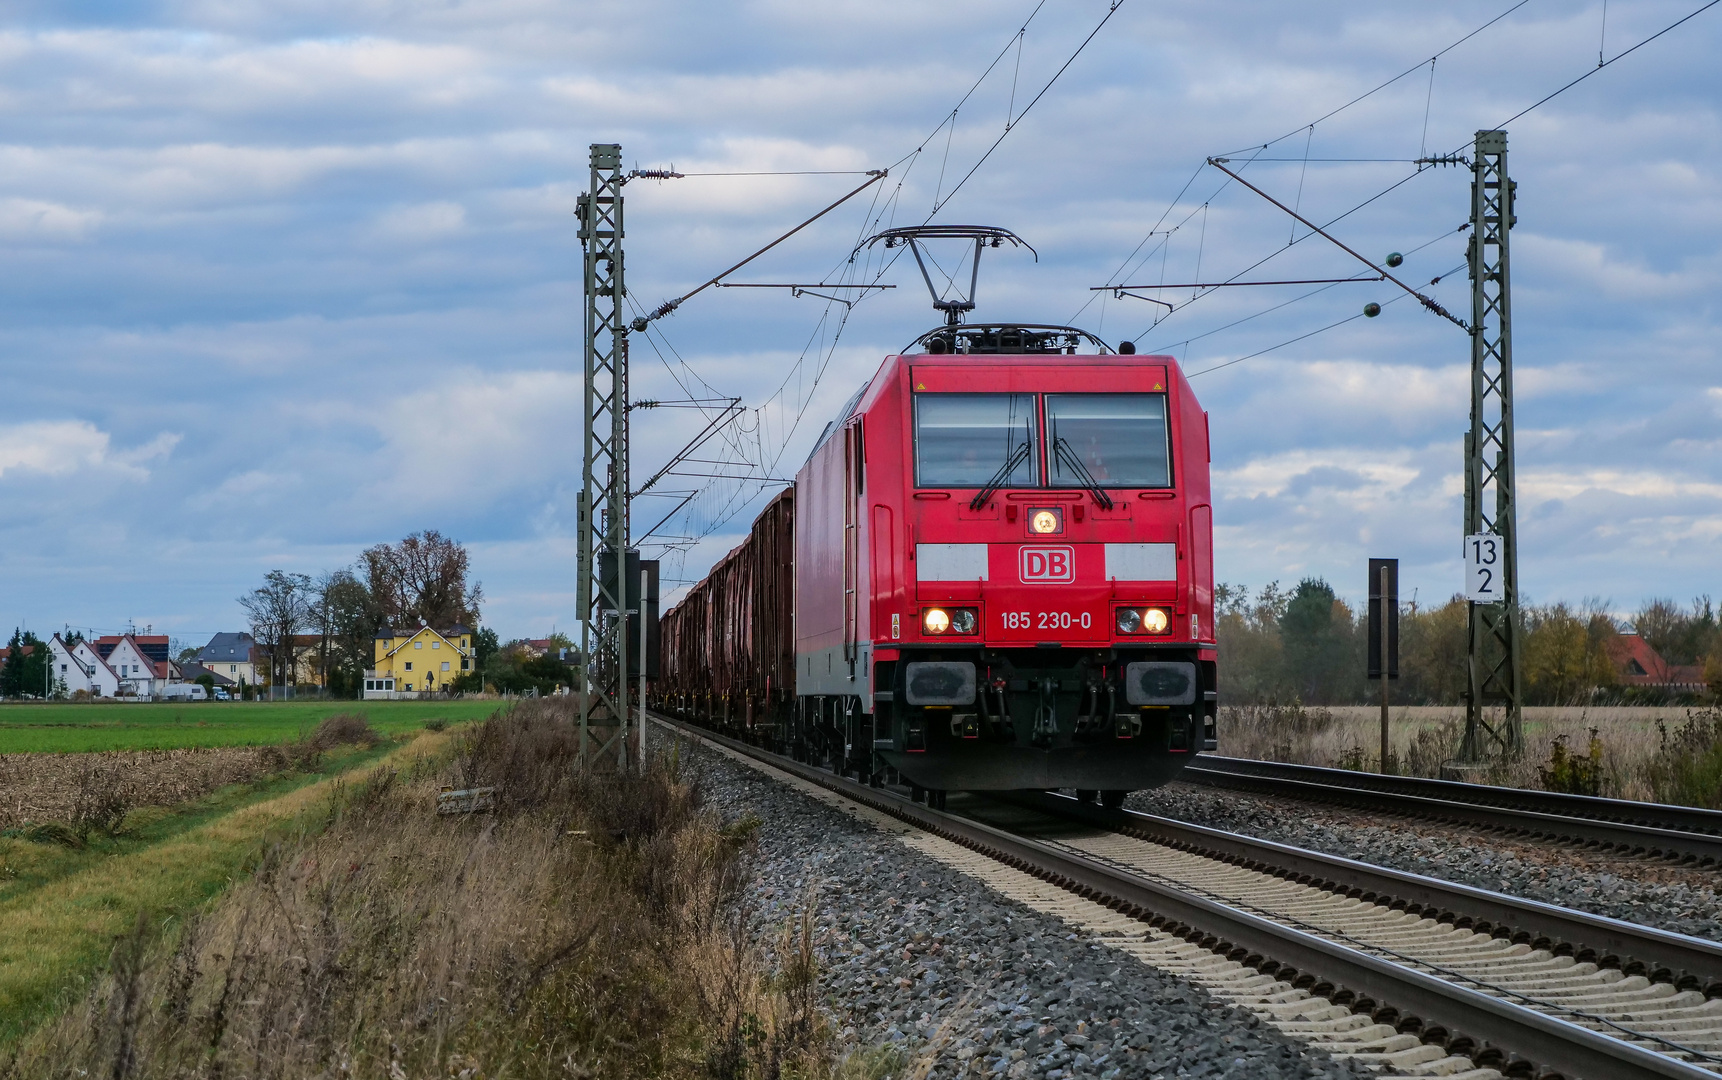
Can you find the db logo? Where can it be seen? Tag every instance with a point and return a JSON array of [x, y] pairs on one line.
[[1048, 565]]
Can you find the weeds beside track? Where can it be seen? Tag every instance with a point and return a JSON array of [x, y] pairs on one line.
[[588, 926]]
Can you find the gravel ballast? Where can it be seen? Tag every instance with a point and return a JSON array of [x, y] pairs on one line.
[[1638, 890], [919, 956]]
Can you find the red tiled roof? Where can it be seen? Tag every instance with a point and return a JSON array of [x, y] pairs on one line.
[[1640, 665]]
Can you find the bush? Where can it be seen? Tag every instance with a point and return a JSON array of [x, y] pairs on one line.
[[105, 796], [344, 729], [1570, 773], [1687, 769]]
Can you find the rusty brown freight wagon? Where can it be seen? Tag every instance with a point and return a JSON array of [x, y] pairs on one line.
[[728, 655]]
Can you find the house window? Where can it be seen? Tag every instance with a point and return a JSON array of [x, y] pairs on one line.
[[445, 665], [466, 665], [409, 686], [62, 669], [418, 644], [436, 644], [231, 668], [370, 684], [409, 668]]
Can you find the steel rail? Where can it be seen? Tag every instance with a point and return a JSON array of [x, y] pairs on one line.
[[1463, 1014], [1638, 828], [1661, 955]]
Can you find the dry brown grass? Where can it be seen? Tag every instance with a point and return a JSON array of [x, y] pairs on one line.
[[1631, 739], [98, 789], [589, 927], [50, 787]]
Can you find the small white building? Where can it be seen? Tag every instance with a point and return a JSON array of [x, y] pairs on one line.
[[140, 674], [79, 666]]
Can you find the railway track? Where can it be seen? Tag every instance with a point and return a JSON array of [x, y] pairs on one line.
[[1410, 975], [1681, 833]]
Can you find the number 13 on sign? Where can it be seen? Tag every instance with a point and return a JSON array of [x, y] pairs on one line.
[[1484, 561]]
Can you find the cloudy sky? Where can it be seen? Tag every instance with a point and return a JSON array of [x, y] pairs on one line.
[[280, 281]]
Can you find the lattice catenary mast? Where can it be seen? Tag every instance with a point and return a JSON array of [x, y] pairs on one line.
[[603, 501], [1495, 656]]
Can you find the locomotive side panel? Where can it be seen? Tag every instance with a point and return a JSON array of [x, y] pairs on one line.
[[831, 561]]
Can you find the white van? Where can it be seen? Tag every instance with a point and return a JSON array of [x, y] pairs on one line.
[[184, 691]]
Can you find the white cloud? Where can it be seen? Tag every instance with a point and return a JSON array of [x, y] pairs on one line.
[[65, 447], [1546, 483], [1271, 475], [55, 447]]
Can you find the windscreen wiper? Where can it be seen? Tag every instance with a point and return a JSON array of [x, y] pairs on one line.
[[1074, 464], [1000, 477]]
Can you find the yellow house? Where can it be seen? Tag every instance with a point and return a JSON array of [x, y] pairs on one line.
[[418, 661]]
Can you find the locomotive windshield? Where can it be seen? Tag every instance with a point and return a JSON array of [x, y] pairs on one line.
[[976, 440], [1118, 439]]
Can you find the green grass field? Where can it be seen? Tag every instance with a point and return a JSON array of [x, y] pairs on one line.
[[165, 725]]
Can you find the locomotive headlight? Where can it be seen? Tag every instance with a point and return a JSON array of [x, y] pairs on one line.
[[963, 620], [1151, 620], [1044, 522], [935, 620]]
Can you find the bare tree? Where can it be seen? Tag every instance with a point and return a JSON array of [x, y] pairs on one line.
[[422, 579], [347, 618], [277, 611]]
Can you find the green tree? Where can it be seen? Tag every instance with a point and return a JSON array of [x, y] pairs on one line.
[[484, 646], [1319, 643], [25, 674]]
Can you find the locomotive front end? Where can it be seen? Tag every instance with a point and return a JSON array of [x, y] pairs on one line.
[[1038, 536]]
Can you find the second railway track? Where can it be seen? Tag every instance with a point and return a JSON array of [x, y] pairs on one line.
[[1679, 833], [1407, 974]]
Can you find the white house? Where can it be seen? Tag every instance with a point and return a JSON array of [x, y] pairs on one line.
[[139, 673], [80, 667]]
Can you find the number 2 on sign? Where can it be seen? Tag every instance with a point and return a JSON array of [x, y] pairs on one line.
[[1484, 561]]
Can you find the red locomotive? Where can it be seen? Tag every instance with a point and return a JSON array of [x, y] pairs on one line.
[[1002, 577]]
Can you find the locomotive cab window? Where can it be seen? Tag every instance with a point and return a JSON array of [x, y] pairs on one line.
[[1112, 440], [976, 440]]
